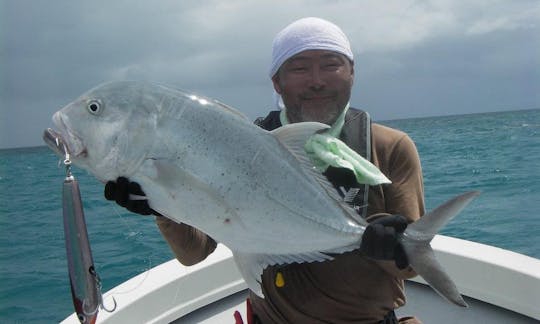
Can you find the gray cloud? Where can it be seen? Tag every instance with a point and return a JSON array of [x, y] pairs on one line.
[[412, 58], [492, 72]]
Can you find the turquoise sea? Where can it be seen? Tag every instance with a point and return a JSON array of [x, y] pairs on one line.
[[497, 153]]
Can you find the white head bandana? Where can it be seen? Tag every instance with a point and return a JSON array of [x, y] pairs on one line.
[[308, 34], [324, 149]]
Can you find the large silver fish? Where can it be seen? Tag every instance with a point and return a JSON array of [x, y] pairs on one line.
[[205, 164]]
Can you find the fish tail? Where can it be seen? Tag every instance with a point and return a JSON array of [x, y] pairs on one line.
[[416, 243]]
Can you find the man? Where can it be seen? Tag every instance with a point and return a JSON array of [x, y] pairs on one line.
[[313, 72]]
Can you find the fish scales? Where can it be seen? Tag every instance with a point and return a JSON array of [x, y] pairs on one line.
[[224, 163]]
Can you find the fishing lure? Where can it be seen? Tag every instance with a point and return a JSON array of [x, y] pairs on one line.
[[84, 280]]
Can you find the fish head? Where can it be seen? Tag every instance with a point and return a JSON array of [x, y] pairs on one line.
[[108, 130]]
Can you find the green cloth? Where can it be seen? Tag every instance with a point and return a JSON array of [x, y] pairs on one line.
[[326, 149]]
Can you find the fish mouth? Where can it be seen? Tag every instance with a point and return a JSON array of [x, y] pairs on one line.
[[56, 142], [63, 143]]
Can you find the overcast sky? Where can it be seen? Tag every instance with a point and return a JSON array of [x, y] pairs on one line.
[[412, 58]]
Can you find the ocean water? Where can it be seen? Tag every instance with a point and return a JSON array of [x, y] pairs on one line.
[[496, 153]]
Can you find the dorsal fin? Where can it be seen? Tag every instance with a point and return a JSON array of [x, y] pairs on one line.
[[294, 137]]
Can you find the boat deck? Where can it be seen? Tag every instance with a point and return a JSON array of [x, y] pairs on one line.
[[423, 303]]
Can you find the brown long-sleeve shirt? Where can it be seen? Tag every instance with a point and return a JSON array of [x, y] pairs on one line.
[[351, 288]]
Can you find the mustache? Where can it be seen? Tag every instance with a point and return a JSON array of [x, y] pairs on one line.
[[317, 95]]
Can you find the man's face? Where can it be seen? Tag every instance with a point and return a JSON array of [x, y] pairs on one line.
[[315, 85]]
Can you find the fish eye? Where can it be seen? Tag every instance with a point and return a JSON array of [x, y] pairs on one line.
[[94, 107]]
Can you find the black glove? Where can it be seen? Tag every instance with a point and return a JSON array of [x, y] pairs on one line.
[[380, 240], [120, 190]]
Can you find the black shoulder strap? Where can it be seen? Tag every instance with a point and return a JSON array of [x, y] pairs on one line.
[[269, 122], [356, 134]]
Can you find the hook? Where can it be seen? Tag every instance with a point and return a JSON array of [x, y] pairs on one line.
[[105, 308], [94, 273]]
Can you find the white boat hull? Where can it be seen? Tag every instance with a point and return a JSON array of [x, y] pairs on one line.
[[500, 286]]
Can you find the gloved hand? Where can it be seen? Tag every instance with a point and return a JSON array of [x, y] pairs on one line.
[[380, 240], [120, 190]]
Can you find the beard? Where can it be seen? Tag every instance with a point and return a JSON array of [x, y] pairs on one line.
[[326, 116], [324, 111]]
